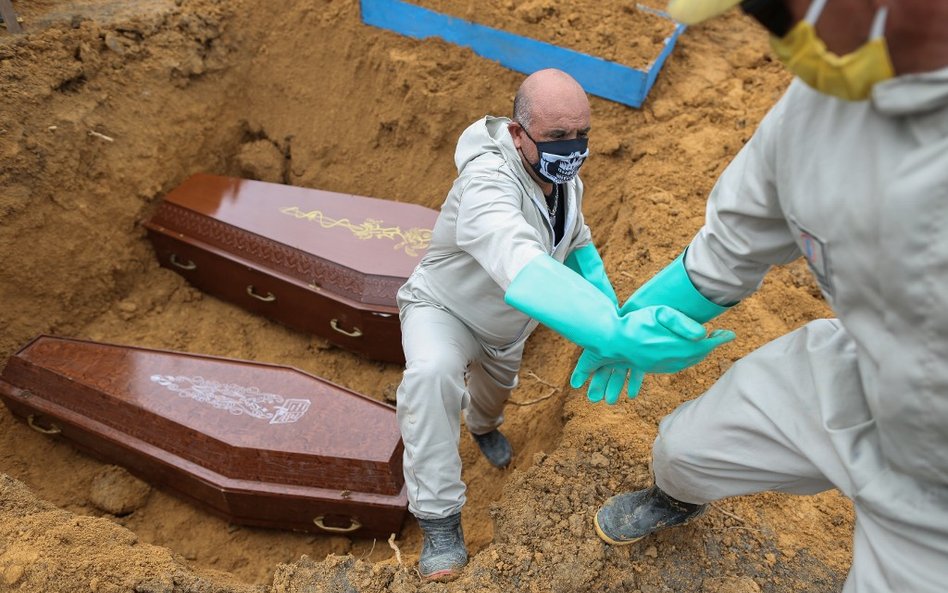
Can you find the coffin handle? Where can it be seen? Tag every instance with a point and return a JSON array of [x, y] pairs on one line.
[[190, 265], [266, 299], [53, 429], [353, 525], [355, 333]]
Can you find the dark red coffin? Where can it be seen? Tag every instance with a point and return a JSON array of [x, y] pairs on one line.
[[257, 444], [321, 262]]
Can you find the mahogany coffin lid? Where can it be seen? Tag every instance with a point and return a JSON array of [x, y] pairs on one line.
[[241, 419], [357, 247]]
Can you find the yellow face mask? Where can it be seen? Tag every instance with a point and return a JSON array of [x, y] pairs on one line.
[[849, 77]]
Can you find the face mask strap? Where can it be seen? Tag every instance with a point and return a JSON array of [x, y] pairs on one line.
[[537, 166], [814, 11], [878, 23], [524, 128]]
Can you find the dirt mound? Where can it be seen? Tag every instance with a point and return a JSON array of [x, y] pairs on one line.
[[106, 105]]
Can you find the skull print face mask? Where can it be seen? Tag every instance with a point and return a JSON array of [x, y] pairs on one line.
[[560, 160]]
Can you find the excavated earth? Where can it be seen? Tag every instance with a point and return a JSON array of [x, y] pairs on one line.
[[107, 105]]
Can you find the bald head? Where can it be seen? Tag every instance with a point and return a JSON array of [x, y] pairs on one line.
[[547, 94]]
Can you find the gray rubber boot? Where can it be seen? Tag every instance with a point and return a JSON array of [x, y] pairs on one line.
[[443, 554], [495, 447], [627, 518]]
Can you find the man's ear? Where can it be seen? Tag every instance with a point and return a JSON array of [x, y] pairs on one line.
[[515, 129]]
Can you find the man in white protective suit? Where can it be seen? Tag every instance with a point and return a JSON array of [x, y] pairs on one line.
[[850, 170], [509, 249]]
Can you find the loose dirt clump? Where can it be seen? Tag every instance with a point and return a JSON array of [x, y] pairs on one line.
[[107, 105]]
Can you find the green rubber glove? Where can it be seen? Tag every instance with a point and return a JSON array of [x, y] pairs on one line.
[[607, 382], [587, 262], [671, 286], [652, 339]]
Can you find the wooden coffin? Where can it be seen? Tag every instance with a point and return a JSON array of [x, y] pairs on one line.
[[257, 444], [318, 261]]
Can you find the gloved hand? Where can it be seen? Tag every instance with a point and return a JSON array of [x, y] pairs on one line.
[[607, 381], [608, 377], [653, 339], [671, 286], [587, 262]]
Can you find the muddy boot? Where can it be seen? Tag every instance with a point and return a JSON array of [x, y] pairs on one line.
[[495, 447], [443, 554], [627, 518]]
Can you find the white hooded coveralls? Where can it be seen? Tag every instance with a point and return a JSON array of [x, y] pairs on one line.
[[455, 323], [859, 403]]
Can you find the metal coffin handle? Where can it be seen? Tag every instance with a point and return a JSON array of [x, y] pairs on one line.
[[190, 265], [266, 299], [353, 525], [53, 429], [355, 333]]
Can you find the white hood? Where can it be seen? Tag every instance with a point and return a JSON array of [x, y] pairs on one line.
[[488, 137]]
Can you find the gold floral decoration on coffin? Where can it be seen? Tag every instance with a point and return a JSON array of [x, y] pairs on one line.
[[412, 241]]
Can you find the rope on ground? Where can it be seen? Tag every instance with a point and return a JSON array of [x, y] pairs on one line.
[[394, 546], [534, 401], [729, 514], [538, 379]]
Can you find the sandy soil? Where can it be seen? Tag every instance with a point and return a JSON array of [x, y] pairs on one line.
[[106, 105]]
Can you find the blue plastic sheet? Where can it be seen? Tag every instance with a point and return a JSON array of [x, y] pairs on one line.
[[599, 77]]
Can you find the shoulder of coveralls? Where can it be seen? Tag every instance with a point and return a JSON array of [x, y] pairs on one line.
[[797, 102], [491, 170]]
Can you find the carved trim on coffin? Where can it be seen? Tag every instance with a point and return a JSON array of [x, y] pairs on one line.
[[291, 261], [236, 399], [411, 241]]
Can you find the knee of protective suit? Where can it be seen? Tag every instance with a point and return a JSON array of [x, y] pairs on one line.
[[672, 467], [436, 375], [437, 363]]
